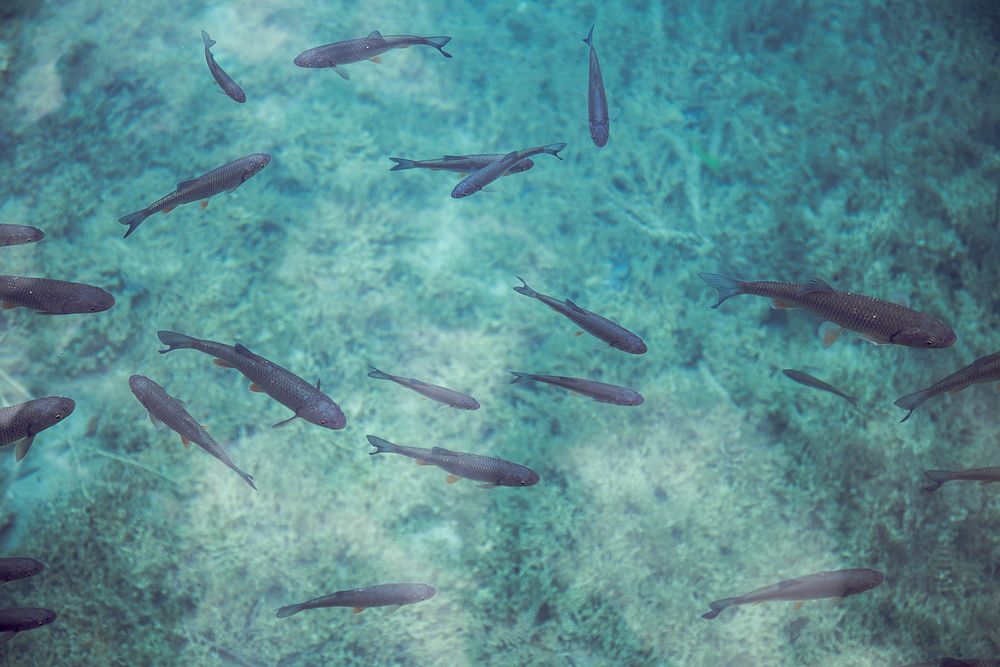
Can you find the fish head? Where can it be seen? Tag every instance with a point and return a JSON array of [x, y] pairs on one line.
[[632, 398], [865, 580], [35, 618], [930, 332], [519, 476], [631, 344], [48, 411], [33, 235], [19, 568], [311, 58], [323, 413], [424, 591], [599, 133], [523, 165], [257, 162], [87, 299]]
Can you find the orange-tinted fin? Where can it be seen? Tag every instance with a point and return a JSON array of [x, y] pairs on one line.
[[358, 610], [452, 479], [185, 441], [222, 362], [778, 304], [798, 605], [168, 210], [256, 387], [577, 333], [829, 333], [204, 203], [8, 305], [376, 59], [421, 462]]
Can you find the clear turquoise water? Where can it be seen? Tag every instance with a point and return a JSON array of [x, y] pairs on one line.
[[779, 140]]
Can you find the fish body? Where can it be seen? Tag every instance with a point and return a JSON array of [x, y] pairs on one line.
[[613, 334], [816, 383], [229, 87], [21, 423], [364, 48], [597, 99], [835, 584], [879, 321], [305, 400], [983, 369], [461, 164], [983, 475], [479, 179], [19, 234], [14, 568], [599, 391], [489, 470], [359, 599], [444, 395], [228, 177], [53, 297], [169, 410], [20, 619]]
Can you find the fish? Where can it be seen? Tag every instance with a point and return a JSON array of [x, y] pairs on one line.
[[163, 407], [19, 234], [18, 567], [983, 369], [359, 599], [878, 321], [816, 383], [956, 662], [306, 401], [229, 87], [462, 164], [226, 178], [22, 422], [20, 619], [613, 334], [490, 470], [599, 391], [835, 584], [53, 297], [597, 98], [444, 395], [480, 178], [982, 475], [364, 48]]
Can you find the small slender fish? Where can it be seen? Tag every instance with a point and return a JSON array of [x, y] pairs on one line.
[[599, 391], [489, 470], [306, 401], [359, 599], [364, 48], [16, 567], [983, 475], [226, 178], [597, 99], [478, 180], [613, 334], [19, 234], [835, 584], [432, 391], [163, 407], [816, 383], [53, 297], [229, 87], [461, 164], [878, 321], [22, 422], [13, 621], [983, 369]]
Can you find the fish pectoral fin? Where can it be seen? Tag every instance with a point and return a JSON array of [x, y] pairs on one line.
[[778, 304], [343, 73], [358, 610], [22, 447], [168, 210], [223, 363], [873, 341], [577, 333], [156, 422], [375, 59], [487, 485], [185, 184], [204, 203], [452, 479], [7, 305], [4, 636], [421, 462], [256, 387], [185, 441], [829, 333], [798, 605], [285, 422]]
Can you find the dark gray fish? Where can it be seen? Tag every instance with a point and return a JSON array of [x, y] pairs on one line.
[[229, 87], [19, 234], [478, 180], [16, 567], [163, 407], [432, 391], [816, 383], [53, 297], [956, 662], [879, 321], [599, 391], [22, 422], [490, 470], [983, 369], [359, 599], [13, 621], [364, 48], [226, 178], [461, 164], [983, 475], [597, 99], [835, 584], [305, 400], [613, 334]]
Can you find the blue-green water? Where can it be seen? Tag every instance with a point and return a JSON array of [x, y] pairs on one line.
[[781, 139]]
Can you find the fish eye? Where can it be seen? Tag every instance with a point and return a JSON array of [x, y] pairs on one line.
[[58, 415], [929, 342]]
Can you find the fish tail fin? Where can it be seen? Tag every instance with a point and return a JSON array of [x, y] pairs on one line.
[[937, 477], [288, 610], [912, 401], [589, 39], [524, 289], [175, 341], [381, 446], [402, 163], [209, 42], [438, 43], [133, 220], [521, 377], [246, 478], [728, 287], [377, 374], [717, 607], [553, 149]]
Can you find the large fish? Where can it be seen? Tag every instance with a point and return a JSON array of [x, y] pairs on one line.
[[17, 567], [53, 297], [613, 334], [19, 234], [460, 164], [816, 383], [432, 391], [13, 621], [359, 599], [597, 99], [878, 321], [163, 407], [229, 87], [982, 475], [478, 180], [21, 423], [983, 369], [364, 48], [226, 178], [305, 400], [599, 391], [836, 584], [489, 470]]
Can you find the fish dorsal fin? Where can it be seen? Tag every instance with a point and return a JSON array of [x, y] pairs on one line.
[[188, 183], [788, 583], [989, 358], [444, 452], [572, 305], [242, 349], [815, 285], [452, 157], [375, 34]]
